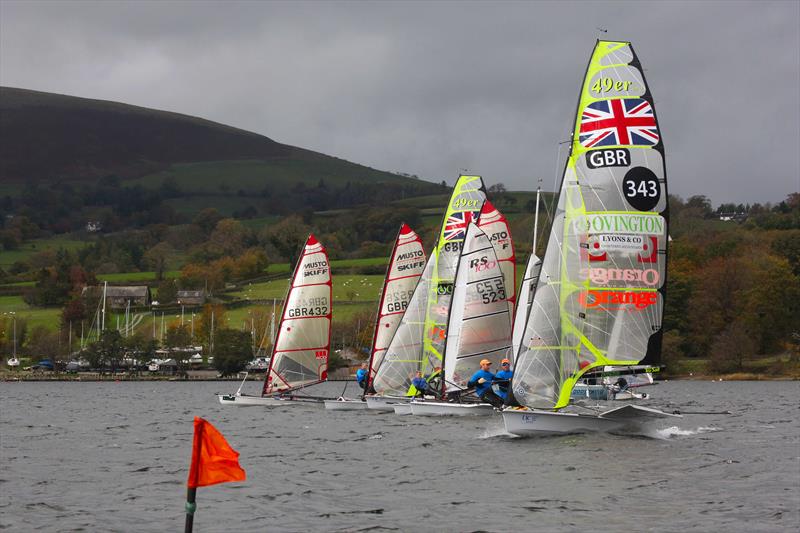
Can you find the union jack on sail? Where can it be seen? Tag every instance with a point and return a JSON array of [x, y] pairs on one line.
[[455, 227], [620, 122]]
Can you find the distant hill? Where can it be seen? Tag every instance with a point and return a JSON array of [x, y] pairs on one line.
[[47, 137]]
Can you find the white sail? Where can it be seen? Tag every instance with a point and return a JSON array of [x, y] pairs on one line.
[[404, 356], [300, 354], [525, 299], [464, 207], [480, 318], [405, 268]]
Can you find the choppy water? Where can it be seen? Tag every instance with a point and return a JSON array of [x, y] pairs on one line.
[[114, 456]]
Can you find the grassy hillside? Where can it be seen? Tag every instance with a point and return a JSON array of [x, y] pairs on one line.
[[48, 136]]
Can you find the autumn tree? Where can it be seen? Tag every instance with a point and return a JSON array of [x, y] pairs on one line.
[[288, 237], [233, 350], [157, 258]]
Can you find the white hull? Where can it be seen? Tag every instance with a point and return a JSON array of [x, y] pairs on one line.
[[384, 403], [243, 400], [402, 408], [528, 422], [428, 408], [345, 404]]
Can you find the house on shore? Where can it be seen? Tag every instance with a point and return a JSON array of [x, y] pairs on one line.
[[191, 298]]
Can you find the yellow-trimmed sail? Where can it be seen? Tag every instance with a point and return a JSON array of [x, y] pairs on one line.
[[599, 298]]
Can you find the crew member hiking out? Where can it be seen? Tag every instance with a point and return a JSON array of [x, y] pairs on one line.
[[482, 381]]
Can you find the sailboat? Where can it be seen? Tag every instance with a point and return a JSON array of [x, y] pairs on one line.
[[479, 324], [418, 344], [406, 264], [600, 296], [300, 353]]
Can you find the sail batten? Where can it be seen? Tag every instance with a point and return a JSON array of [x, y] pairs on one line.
[[599, 297]]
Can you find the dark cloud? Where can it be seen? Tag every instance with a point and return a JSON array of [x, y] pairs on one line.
[[431, 88]]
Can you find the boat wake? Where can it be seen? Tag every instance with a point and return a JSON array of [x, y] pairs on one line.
[[675, 431], [496, 431]]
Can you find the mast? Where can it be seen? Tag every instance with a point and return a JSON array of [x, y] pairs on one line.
[[103, 318], [536, 216]]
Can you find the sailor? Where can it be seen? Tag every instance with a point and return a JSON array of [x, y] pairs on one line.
[[503, 378], [482, 381], [434, 379], [361, 376], [418, 386]]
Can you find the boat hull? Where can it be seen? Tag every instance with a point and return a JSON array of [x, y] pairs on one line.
[[428, 408], [345, 404], [402, 409], [244, 400], [533, 422], [384, 403]]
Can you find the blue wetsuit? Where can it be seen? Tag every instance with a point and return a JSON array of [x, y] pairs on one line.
[[420, 384], [481, 388], [361, 377], [502, 388]]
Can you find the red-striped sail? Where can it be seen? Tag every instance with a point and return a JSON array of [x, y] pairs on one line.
[[495, 225], [405, 268], [300, 355]]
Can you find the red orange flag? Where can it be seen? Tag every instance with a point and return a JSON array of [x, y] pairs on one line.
[[213, 459]]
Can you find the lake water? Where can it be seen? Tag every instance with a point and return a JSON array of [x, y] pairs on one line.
[[114, 457]]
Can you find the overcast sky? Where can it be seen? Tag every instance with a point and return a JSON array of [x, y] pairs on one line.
[[432, 88]]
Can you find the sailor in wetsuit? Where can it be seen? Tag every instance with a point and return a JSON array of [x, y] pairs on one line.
[[361, 376], [418, 385], [503, 379], [482, 381]]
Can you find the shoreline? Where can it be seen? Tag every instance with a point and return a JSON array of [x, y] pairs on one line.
[[90, 377]]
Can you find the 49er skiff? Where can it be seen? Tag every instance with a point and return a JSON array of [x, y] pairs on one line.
[[612, 215]]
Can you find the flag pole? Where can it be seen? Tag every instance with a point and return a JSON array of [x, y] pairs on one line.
[[191, 492]]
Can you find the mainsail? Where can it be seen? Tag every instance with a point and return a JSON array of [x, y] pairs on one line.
[[418, 343], [480, 317], [403, 357], [600, 296], [526, 291], [528, 286], [405, 268], [300, 355], [465, 206], [495, 225]]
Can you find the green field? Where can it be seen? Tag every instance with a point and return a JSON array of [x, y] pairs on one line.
[[357, 287], [26, 250]]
